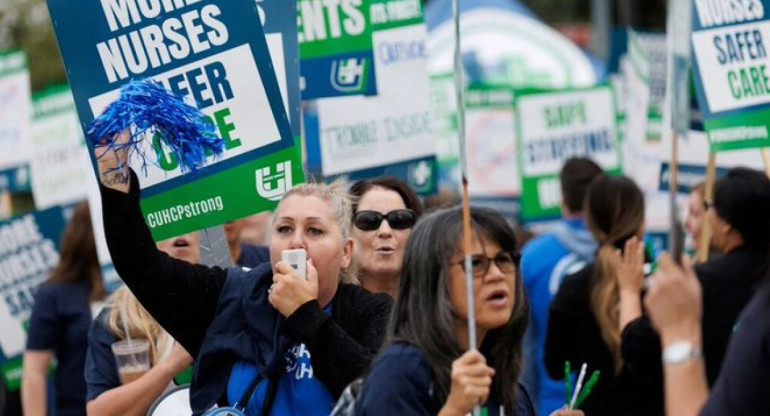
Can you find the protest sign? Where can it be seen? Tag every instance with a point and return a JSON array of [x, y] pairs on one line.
[[213, 53], [29, 249], [730, 70], [56, 168], [279, 20], [490, 141], [15, 110], [554, 126], [391, 132], [335, 44]]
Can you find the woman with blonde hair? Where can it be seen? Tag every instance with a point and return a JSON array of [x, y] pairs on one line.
[[592, 308], [264, 339], [109, 392], [58, 327]]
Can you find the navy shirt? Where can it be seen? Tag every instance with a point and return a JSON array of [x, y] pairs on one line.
[[401, 383], [59, 323], [101, 369], [251, 256], [743, 385]]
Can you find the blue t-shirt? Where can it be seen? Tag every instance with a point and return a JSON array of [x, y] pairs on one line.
[[59, 322], [252, 255], [298, 391], [101, 370]]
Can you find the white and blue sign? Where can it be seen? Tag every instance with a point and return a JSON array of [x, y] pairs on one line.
[[29, 249], [214, 54], [279, 20], [730, 41]]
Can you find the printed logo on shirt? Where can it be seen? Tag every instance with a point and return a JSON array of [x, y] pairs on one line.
[[297, 361]]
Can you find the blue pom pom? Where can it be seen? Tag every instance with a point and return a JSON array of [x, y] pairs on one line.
[[146, 107]]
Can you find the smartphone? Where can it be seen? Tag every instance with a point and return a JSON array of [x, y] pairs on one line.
[[298, 260]]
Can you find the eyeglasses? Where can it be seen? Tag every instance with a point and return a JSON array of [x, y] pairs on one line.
[[400, 219], [480, 264]]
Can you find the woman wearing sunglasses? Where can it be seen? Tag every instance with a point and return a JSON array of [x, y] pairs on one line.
[[384, 213], [427, 366]]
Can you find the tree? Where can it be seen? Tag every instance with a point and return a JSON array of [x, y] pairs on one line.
[[26, 25]]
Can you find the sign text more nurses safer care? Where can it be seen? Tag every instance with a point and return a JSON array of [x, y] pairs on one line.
[[158, 43], [732, 45]]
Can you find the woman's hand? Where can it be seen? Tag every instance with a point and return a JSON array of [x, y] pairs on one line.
[[178, 360], [289, 291], [112, 162], [630, 267], [471, 380]]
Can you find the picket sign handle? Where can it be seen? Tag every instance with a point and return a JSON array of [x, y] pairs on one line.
[[766, 159], [705, 233]]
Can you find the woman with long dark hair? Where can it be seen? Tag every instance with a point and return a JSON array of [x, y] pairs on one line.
[[427, 366], [58, 327], [592, 308]]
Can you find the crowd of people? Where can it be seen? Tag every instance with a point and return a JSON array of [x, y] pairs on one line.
[[379, 323]]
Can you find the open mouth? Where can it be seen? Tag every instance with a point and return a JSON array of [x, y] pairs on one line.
[[181, 242], [498, 297]]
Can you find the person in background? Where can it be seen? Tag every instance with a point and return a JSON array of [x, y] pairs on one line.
[[257, 229], [740, 229], [384, 211], [243, 254], [696, 216], [58, 326], [589, 313], [106, 395], [675, 307], [545, 261]]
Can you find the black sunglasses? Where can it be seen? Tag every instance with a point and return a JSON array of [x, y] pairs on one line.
[[400, 219]]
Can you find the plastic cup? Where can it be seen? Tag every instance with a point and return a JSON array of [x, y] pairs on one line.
[[133, 358]]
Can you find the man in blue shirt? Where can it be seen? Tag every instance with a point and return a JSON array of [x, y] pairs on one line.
[[545, 261]]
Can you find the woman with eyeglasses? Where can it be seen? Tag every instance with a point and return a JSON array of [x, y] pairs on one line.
[[384, 212], [589, 319], [427, 366]]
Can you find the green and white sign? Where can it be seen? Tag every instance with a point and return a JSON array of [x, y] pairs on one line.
[[335, 46], [15, 110], [361, 133], [59, 152], [729, 42], [214, 54], [554, 126]]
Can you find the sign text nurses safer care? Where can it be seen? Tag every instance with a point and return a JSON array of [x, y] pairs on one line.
[[731, 67], [213, 53]]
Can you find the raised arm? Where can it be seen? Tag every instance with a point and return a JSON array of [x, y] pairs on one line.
[[182, 297]]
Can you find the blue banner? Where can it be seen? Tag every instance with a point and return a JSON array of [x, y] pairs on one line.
[[689, 176], [212, 53], [29, 249]]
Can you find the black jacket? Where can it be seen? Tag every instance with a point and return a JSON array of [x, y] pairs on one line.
[[729, 281], [574, 335], [222, 316]]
